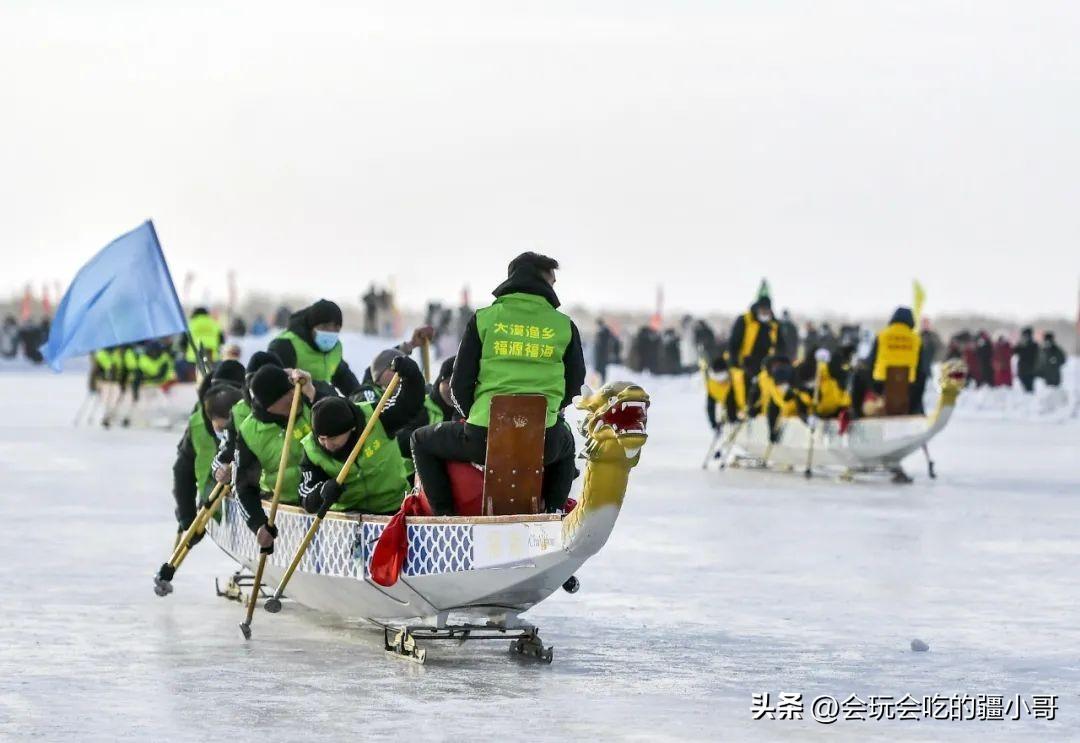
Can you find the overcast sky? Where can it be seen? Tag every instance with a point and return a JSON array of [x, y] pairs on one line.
[[839, 148]]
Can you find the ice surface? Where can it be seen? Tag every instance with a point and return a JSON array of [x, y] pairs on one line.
[[714, 586]]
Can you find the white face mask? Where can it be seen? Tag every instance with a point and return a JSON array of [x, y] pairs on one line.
[[721, 376], [221, 435], [764, 317]]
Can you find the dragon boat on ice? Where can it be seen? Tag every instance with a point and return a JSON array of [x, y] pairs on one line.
[[869, 444], [462, 577]]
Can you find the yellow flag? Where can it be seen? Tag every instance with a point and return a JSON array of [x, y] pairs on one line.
[[920, 297]]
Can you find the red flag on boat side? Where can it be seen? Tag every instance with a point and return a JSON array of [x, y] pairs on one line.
[[392, 549]]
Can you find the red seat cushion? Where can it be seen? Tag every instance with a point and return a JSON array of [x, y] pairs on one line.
[[467, 486]]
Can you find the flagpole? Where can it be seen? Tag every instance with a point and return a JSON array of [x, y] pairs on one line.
[[200, 362]]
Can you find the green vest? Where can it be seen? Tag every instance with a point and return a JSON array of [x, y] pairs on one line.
[[377, 482], [206, 334], [104, 361], [240, 412], [434, 412], [265, 441], [523, 339], [159, 370], [321, 366], [205, 445], [131, 359]]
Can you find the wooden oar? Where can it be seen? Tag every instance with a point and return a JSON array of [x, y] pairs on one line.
[[283, 464], [273, 604], [162, 581], [425, 359], [207, 514], [817, 398]]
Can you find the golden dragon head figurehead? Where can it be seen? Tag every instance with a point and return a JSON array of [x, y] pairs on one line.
[[953, 377], [614, 422]]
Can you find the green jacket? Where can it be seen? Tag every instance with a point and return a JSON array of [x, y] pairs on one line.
[[377, 481], [265, 442], [321, 366], [523, 341]]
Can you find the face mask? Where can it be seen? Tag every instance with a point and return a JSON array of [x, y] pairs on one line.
[[221, 435], [720, 376], [325, 340], [764, 317]]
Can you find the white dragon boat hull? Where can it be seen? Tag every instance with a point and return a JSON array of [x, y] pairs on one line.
[[478, 569], [868, 444]]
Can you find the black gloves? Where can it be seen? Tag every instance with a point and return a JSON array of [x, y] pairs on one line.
[[329, 492], [320, 501], [404, 366], [273, 532]]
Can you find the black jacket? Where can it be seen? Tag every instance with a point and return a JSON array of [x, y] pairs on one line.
[[300, 324], [467, 367], [1027, 357], [1051, 359], [402, 407]]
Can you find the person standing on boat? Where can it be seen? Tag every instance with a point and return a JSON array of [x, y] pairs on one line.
[[259, 441], [754, 336], [521, 344], [311, 342], [378, 480]]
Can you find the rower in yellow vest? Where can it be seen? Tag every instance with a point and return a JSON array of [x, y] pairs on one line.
[[720, 389], [206, 334]]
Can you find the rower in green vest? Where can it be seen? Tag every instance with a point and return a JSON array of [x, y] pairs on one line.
[[311, 342], [438, 407], [259, 442], [521, 344], [222, 464], [378, 481], [206, 334], [192, 475]]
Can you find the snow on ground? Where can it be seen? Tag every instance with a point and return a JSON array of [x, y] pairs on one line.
[[714, 586]]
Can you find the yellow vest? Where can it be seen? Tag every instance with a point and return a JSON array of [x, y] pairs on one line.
[[897, 345], [771, 392], [751, 328], [831, 397], [206, 333]]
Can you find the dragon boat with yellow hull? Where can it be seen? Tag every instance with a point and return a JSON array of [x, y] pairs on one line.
[[463, 577]]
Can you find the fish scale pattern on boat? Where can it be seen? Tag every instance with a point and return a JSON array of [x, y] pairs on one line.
[[340, 546]]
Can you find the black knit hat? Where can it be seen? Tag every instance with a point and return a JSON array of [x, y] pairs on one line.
[[446, 370], [259, 359], [229, 372], [321, 312], [269, 384], [333, 416]]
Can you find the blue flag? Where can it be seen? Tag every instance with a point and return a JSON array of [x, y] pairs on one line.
[[123, 295]]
